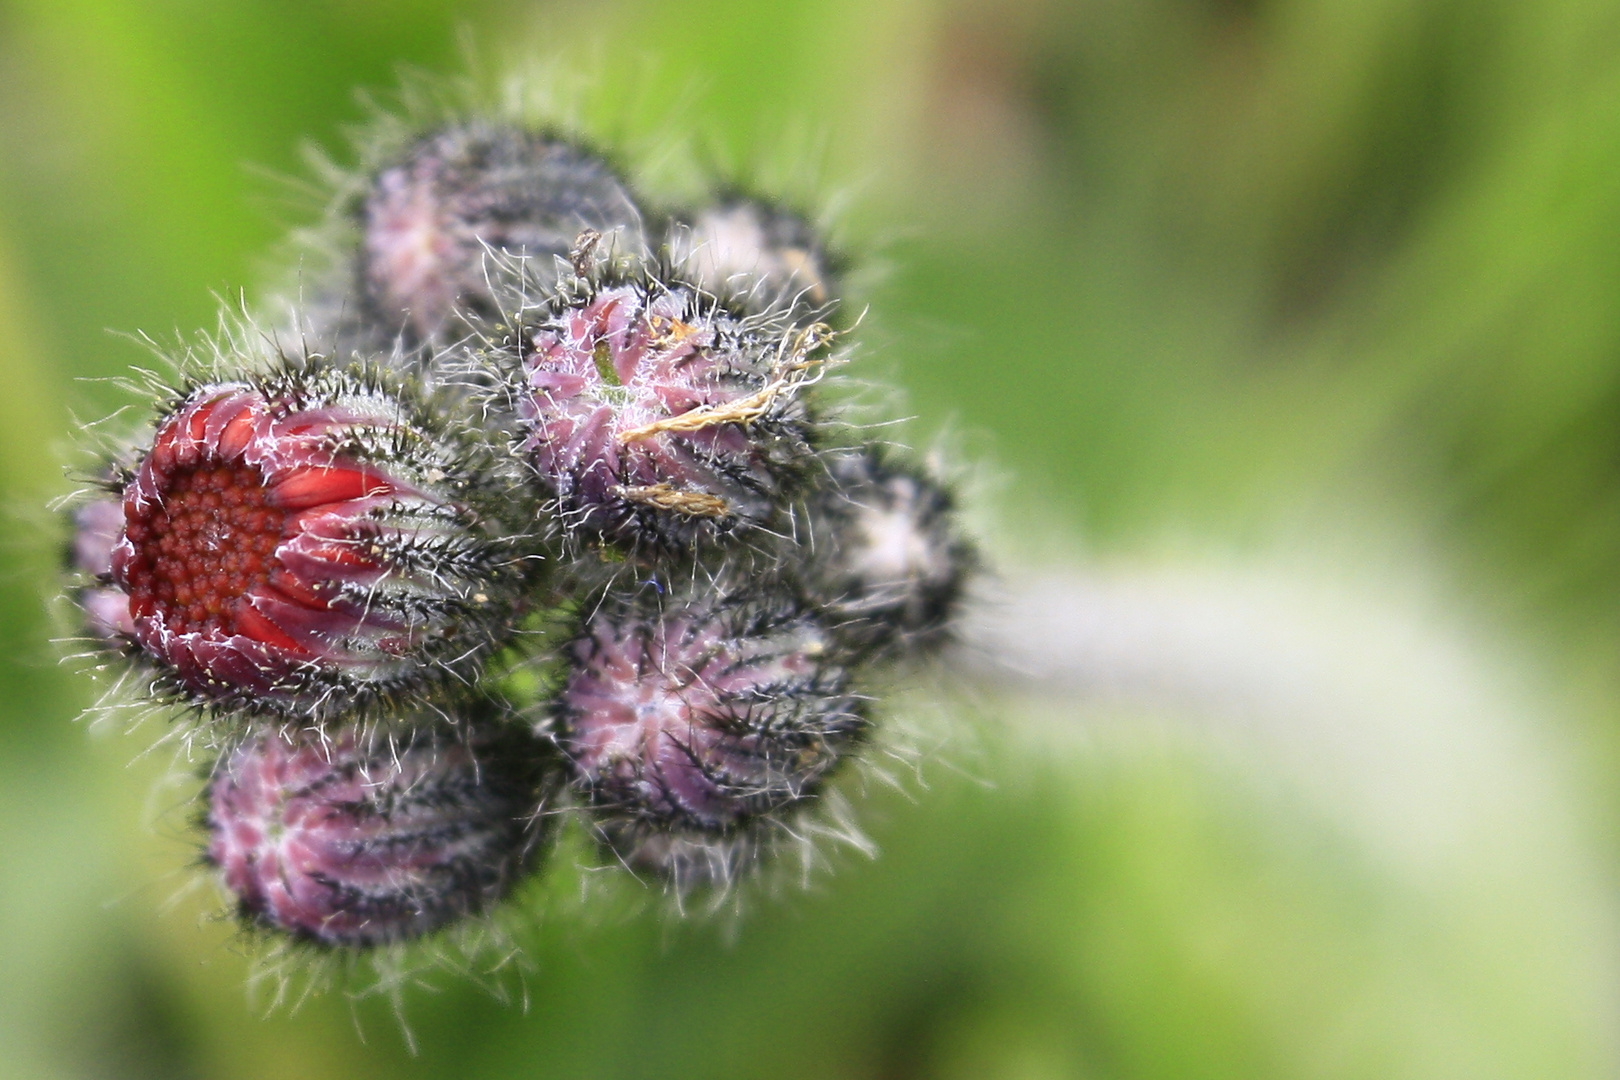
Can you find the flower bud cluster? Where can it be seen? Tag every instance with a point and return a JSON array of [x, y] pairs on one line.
[[607, 470]]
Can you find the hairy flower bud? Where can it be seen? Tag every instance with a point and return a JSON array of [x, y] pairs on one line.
[[309, 542], [457, 194], [657, 416], [363, 837], [889, 562], [765, 257], [685, 725]]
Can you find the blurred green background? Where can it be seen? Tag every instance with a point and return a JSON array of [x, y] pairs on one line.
[[1287, 329]]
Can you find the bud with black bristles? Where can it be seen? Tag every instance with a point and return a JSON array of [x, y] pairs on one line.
[[691, 726], [370, 835], [658, 417], [765, 257], [432, 215], [888, 560], [103, 608]]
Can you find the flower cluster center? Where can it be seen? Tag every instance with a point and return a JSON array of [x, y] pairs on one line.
[[208, 541]]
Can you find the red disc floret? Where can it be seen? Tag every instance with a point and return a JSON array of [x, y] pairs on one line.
[[245, 551], [210, 542]]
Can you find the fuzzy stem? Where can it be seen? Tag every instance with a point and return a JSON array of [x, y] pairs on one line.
[[1392, 712]]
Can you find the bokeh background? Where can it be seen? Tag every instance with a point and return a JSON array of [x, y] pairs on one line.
[[1285, 334]]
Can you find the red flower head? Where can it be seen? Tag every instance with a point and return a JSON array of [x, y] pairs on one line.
[[310, 541]]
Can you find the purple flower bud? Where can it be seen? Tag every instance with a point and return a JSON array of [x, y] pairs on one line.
[[431, 217], [311, 541], [767, 258], [656, 415], [696, 722], [889, 561], [96, 527], [365, 837]]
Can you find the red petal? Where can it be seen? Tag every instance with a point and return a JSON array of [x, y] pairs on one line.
[[298, 489], [251, 623], [235, 436], [292, 587], [197, 424]]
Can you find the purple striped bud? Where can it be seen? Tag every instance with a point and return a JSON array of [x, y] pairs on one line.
[[889, 560], [657, 416], [698, 721], [311, 541], [431, 217], [369, 836]]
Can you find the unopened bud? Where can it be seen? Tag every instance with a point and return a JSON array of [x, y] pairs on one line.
[[766, 258], [657, 416], [103, 607], [362, 837], [457, 194], [686, 725], [889, 561]]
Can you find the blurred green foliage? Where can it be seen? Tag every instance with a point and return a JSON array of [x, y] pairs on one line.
[[1267, 283]]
